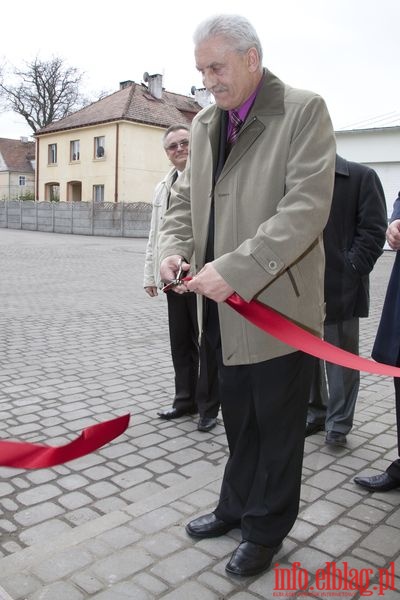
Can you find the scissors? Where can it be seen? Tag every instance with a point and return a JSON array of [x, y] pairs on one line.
[[177, 280]]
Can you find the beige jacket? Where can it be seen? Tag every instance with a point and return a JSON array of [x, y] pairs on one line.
[[272, 201], [151, 276]]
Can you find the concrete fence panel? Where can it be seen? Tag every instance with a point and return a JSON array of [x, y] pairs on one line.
[[81, 218]]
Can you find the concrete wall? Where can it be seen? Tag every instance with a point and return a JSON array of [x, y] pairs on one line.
[[83, 218]]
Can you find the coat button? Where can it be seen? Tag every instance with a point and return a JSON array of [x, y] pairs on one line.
[[272, 265]]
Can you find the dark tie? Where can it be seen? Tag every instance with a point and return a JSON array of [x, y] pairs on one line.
[[236, 123]]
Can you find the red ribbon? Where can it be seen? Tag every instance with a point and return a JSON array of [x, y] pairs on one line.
[[272, 322], [23, 455], [284, 330]]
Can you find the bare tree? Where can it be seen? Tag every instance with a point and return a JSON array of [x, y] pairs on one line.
[[46, 91]]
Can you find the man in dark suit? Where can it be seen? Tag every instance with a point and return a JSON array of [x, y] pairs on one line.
[[387, 350], [353, 239]]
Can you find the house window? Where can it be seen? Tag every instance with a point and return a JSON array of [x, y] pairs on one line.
[[98, 193], [22, 180], [99, 146], [52, 154], [74, 150]]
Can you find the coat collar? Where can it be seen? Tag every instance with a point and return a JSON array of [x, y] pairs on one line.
[[342, 166], [269, 101]]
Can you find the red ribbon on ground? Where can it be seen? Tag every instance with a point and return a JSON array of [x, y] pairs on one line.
[[24, 455], [272, 322]]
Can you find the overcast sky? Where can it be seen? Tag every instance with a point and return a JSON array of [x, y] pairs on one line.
[[346, 50]]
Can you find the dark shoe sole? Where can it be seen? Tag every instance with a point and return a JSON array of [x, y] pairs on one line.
[[209, 534], [336, 442], [255, 571], [378, 488], [167, 417], [221, 529], [206, 427]]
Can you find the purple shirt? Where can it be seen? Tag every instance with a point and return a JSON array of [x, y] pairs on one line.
[[244, 109]]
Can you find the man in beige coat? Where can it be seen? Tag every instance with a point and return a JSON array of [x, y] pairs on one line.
[[252, 207]]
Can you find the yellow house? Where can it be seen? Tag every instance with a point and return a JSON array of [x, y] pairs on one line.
[[111, 150], [17, 169]]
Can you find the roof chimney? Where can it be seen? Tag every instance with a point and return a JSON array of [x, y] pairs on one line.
[[154, 84], [125, 84], [202, 96]]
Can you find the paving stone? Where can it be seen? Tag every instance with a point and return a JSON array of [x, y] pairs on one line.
[[309, 558], [161, 544], [62, 564], [157, 519], [21, 585], [326, 480], [38, 494], [335, 539], [81, 516], [72, 482], [114, 360], [321, 512], [120, 537], [86, 582], [382, 540], [43, 532], [75, 500], [343, 497], [60, 590], [367, 514], [121, 564], [177, 568], [38, 513], [153, 585], [222, 585], [6, 489], [302, 531], [143, 490]]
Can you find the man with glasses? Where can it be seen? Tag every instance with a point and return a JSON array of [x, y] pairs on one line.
[[192, 393]]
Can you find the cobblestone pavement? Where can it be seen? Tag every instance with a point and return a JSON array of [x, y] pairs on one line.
[[80, 343]]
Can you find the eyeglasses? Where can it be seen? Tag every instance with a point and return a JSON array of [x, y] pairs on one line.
[[174, 147]]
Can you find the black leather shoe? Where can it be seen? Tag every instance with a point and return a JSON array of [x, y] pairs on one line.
[[209, 526], [175, 413], [206, 423], [335, 438], [378, 483], [250, 558], [312, 428]]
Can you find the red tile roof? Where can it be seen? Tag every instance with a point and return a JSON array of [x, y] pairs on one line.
[[17, 155], [132, 103]]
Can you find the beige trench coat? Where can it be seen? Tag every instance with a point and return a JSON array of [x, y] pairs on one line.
[[272, 201]]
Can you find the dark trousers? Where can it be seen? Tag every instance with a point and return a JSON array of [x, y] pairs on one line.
[[264, 406], [334, 391], [196, 383], [394, 469]]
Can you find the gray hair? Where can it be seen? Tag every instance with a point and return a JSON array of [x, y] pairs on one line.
[[233, 27], [172, 128]]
